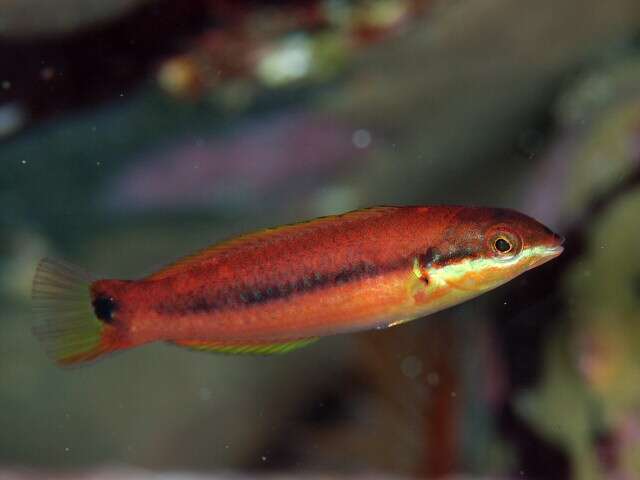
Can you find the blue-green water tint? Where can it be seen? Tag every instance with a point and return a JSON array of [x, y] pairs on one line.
[[450, 115]]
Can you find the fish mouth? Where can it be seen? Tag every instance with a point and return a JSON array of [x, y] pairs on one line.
[[554, 251], [545, 254], [549, 252]]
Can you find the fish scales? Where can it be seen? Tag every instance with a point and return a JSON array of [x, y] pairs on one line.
[[259, 283], [274, 290]]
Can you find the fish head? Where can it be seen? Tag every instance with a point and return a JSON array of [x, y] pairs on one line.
[[486, 247]]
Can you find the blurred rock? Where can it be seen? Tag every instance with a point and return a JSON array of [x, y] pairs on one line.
[[266, 163], [439, 110], [597, 145], [19, 255], [267, 46], [605, 292], [466, 82], [587, 392], [20, 18], [57, 56], [124, 474], [12, 118]]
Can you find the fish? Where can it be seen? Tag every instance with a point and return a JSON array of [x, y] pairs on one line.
[[279, 289]]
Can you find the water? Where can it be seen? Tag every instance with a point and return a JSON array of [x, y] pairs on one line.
[[127, 144]]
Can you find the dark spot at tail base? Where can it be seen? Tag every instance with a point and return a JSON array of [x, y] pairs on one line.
[[104, 308]]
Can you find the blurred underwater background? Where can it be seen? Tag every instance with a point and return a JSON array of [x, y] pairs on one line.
[[133, 132]]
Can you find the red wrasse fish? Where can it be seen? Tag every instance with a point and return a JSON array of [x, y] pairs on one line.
[[279, 289]]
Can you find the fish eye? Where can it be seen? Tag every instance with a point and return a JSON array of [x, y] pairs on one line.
[[502, 245]]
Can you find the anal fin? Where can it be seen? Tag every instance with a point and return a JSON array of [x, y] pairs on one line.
[[244, 347]]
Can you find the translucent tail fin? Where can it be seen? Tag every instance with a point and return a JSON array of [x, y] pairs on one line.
[[66, 323]]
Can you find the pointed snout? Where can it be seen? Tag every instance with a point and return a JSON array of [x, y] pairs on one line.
[[556, 247], [543, 253], [553, 252]]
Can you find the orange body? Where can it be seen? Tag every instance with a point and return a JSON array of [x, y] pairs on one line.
[[366, 269]]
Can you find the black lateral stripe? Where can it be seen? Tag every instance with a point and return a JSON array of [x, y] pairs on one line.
[[260, 294], [245, 296], [456, 255], [433, 257]]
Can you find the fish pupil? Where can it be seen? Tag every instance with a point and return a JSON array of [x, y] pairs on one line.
[[502, 245], [103, 308]]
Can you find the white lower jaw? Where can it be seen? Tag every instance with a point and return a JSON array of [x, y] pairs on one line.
[[540, 255], [490, 273], [436, 288]]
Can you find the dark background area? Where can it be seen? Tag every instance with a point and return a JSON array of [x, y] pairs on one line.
[[133, 132]]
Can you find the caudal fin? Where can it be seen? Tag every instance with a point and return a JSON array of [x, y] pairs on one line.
[[67, 326]]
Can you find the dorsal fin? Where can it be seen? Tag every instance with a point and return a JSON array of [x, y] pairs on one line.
[[246, 347], [262, 236]]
